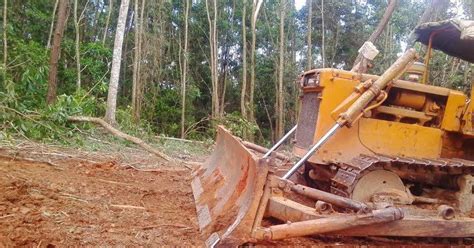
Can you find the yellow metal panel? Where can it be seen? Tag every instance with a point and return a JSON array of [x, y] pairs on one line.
[[369, 135], [400, 139], [468, 118], [338, 86], [345, 144], [452, 113]]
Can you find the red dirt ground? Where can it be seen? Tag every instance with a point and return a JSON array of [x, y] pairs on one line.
[[103, 200], [104, 204]]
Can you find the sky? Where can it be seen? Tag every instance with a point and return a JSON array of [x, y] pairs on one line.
[[299, 4]]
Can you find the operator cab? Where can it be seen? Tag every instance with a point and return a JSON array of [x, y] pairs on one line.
[[453, 37]]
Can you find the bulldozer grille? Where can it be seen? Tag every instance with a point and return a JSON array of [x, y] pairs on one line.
[[307, 120]]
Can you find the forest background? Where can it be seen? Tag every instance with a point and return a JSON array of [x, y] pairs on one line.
[[187, 65]]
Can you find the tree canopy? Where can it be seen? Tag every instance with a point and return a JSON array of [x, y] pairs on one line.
[[164, 39]]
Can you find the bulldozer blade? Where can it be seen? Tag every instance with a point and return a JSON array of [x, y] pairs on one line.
[[227, 191]]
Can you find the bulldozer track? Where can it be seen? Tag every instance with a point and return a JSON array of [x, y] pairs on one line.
[[349, 173]]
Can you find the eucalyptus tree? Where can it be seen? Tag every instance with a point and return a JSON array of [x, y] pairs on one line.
[[55, 51], [77, 22], [109, 13], [309, 55], [184, 72], [116, 63], [136, 77], [5, 41], [53, 15], [243, 91], [281, 70]]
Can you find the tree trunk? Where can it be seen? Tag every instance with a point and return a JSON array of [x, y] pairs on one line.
[[225, 63], [215, 46], [107, 21], [323, 37], [116, 59], [251, 114], [243, 90], [255, 9], [222, 79], [140, 85], [454, 69], [309, 56], [55, 51], [136, 58], [358, 64], [336, 42], [77, 46], [384, 21], [99, 8], [444, 66], [467, 72], [213, 58], [281, 69], [185, 71], [5, 41], [224, 88], [275, 75], [51, 28]]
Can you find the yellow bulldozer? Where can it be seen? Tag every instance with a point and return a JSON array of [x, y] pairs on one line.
[[387, 155]]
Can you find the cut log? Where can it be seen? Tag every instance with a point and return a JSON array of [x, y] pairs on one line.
[[120, 134]]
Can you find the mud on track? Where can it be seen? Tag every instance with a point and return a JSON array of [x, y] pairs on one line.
[[76, 203]]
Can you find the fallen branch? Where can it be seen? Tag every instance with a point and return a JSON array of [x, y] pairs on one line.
[[181, 140], [6, 216], [68, 156], [166, 225], [112, 182], [120, 134], [73, 197], [157, 170], [16, 158], [128, 207]]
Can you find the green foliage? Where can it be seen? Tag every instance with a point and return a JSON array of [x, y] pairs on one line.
[[49, 123], [66, 105], [127, 125], [347, 25], [29, 72], [167, 111], [96, 61], [238, 125], [95, 64]]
